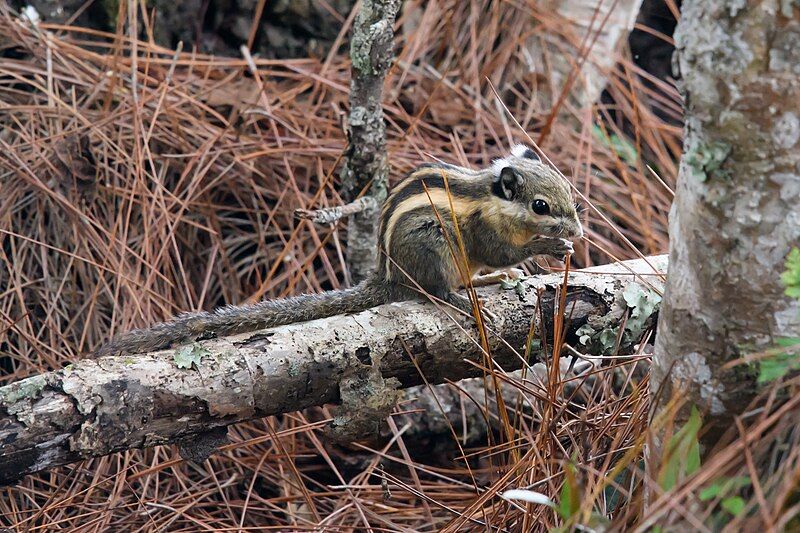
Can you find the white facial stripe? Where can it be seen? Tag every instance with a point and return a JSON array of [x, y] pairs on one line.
[[519, 150], [497, 167]]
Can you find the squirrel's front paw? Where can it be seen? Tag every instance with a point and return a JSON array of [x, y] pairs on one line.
[[558, 247]]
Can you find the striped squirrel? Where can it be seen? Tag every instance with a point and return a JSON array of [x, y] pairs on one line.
[[517, 208]]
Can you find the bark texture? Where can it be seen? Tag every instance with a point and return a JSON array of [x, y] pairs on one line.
[[367, 165], [736, 212], [95, 407]]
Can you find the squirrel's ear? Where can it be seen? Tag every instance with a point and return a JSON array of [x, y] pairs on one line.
[[524, 151], [508, 184]]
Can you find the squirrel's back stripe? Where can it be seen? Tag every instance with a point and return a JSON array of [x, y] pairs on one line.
[[417, 182], [461, 182], [437, 198], [464, 185]]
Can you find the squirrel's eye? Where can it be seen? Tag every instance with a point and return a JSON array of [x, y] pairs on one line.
[[540, 207]]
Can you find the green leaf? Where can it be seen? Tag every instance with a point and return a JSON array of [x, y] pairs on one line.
[[787, 342], [693, 455], [682, 453], [569, 505], [777, 366], [710, 492], [723, 487], [734, 505], [188, 356], [791, 276]]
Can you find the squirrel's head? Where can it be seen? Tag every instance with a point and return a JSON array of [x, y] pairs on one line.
[[549, 208]]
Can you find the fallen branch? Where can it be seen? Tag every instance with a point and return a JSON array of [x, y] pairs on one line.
[[96, 407]]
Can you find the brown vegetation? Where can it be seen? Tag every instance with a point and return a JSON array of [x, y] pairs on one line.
[[137, 182]]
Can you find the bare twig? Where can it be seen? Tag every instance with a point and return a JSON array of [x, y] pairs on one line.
[[331, 215]]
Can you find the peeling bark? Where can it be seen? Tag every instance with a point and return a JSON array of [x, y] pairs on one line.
[[367, 167], [601, 27], [95, 407], [735, 216]]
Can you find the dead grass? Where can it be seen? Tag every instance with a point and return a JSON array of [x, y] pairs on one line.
[[137, 182]]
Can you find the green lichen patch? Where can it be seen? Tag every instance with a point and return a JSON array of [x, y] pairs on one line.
[[513, 284], [601, 335], [621, 146], [28, 389], [189, 356], [707, 159], [642, 302]]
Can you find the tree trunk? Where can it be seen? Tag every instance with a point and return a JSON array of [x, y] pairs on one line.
[[96, 407], [367, 166], [736, 213]]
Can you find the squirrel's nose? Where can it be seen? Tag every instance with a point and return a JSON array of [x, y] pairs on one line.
[[574, 229]]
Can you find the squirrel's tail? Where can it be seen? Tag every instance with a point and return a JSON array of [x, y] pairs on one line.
[[232, 319]]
